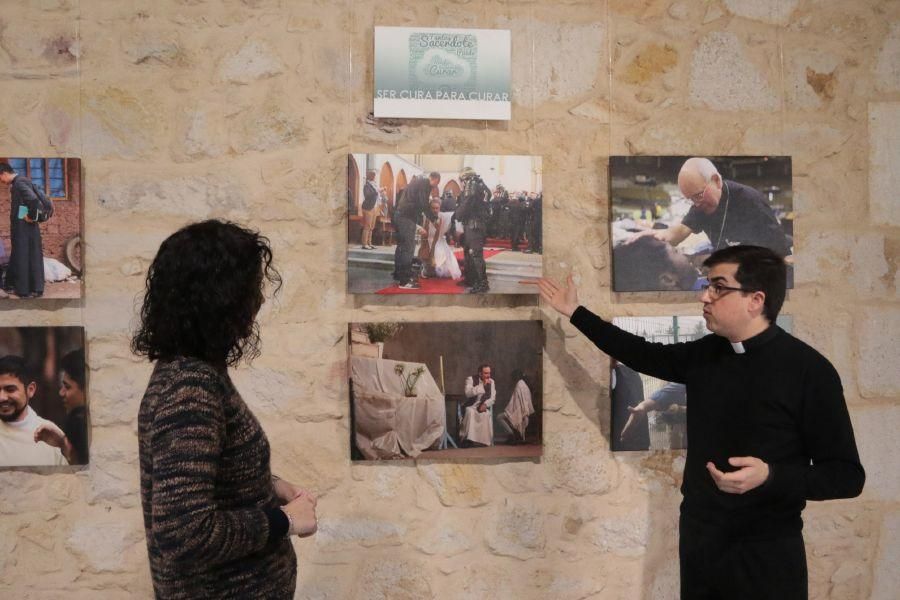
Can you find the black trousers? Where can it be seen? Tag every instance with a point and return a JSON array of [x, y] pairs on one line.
[[518, 231], [25, 274], [406, 245], [715, 566], [476, 269], [537, 244]]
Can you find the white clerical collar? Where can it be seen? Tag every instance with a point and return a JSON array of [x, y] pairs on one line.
[[738, 347]]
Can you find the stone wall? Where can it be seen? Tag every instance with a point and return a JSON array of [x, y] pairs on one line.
[[185, 109]]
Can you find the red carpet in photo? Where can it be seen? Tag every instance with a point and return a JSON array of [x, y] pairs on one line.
[[439, 285], [427, 286], [488, 252]]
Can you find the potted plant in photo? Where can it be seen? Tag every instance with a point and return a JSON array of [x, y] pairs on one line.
[[380, 332], [410, 379]]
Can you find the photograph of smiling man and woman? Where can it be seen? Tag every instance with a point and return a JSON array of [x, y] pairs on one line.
[[668, 213], [44, 418]]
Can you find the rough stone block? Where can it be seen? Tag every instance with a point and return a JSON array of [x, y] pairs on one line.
[[884, 163], [114, 474], [811, 143], [455, 484], [205, 134], [561, 581], [24, 492], [189, 196], [666, 583], [834, 342], [104, 542], [879, 375], [120, 123], [887, 576], [154, 47], [40, 48], [392, 579], [579, 462], [555, 76], [269, 126], [723, 78], [887, 68], [253, 61], [811, 78], [447, 535], [835, 257], [623, 535], [278, 393], [517, 530], [773, 12], [320, 465], [879, 451], [341, 533]]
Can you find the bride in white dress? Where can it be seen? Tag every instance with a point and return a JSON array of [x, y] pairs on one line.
[[445, 264]]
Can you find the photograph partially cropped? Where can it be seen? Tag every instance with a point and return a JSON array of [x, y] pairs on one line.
[[44, 415]]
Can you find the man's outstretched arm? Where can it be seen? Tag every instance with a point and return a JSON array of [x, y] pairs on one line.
[[665, 361]]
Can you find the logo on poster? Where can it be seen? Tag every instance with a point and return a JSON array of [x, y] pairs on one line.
[[442, 60], [439, 67]]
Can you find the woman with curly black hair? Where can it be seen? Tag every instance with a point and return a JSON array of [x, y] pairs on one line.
[[217, 521]]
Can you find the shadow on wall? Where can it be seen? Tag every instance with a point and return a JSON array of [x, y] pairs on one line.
[[662, 469]]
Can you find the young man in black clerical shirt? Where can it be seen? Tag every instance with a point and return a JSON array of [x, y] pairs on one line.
[[767, 424]]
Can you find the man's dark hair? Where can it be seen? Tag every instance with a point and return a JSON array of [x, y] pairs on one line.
[[5, 168], [434, 175], [15, 366], [483, 365], [759, 270], [203, 291], [73, 365], [639, 265]]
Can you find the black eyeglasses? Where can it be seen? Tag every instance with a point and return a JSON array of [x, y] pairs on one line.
[[697, 197], [717, 290]]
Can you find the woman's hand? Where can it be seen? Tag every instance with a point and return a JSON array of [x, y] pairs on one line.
[[286, 491], [302, 513]]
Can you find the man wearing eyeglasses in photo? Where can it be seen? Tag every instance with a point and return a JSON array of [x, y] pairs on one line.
[[768, 428], [728, 212]]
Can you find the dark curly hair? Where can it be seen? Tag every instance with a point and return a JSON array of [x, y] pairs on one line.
[[203, 291]]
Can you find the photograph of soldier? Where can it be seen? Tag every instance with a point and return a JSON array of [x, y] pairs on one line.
[[446, 390], [44, 415], [488, 209], [693, 206], [474, 212], [647, 413], [40, 254]]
